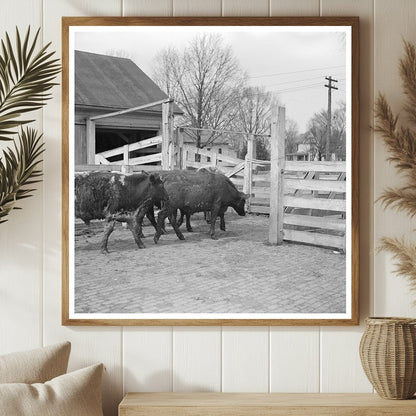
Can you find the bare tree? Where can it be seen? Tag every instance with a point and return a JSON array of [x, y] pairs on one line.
[[316, 133], [293, 138], [204, 79], [119, 53], [254, 108], [339, 131]]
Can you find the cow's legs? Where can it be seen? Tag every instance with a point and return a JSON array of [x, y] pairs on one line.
[[163, 213], [136, 225], [222, 221], [108, 229], [214, 215], [188, 223], [180, 220], [136, 231], [174, 224], [150, 214]]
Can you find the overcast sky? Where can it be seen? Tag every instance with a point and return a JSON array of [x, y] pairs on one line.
[[291, 63]]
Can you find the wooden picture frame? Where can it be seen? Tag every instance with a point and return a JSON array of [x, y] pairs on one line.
[[171, 142]]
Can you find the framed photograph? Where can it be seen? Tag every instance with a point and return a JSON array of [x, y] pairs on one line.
[[210, 171]]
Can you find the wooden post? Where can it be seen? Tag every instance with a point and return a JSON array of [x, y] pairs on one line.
[[171, 156], [184, 157], [277, 166], [126, 169], [167, 135], [90, 125], [248, 170], [179, 152], [126, 154]]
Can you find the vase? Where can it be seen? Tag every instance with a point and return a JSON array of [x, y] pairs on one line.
[[388, 356]]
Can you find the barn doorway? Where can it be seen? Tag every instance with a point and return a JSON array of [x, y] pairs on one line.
[[112, 138]]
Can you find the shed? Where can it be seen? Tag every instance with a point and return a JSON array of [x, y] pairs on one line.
[[105, 84]]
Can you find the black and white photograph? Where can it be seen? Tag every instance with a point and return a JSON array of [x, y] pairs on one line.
[[210, 173]]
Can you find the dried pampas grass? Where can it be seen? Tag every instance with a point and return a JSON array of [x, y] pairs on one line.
[[401, 143]]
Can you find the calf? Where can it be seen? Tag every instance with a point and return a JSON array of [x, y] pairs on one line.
[[116, 197]]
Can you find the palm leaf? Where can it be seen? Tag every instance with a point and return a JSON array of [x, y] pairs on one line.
[[25, 79], [18, 170]]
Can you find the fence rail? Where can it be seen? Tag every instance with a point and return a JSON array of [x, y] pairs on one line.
[[314, 201], [116, 168], [102, 157]]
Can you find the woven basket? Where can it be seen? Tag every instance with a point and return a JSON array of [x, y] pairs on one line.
[[388, 356]]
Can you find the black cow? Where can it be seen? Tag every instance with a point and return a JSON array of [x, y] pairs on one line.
[[117, 197], [207, 214], [192, 192]]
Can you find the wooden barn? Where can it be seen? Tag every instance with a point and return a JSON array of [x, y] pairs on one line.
[[105, 85]]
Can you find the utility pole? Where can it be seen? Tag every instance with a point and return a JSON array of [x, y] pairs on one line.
[[328, 127]]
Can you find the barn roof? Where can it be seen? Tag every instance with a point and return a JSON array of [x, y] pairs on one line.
[[113, 83]]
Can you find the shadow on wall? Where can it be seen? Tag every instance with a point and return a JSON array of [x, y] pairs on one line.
[[160, 381]]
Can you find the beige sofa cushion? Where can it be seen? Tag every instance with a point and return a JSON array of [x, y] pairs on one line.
[[35, 366], [73, 394]]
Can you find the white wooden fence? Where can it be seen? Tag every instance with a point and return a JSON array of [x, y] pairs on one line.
[[103, 157], [313, 206], [164, 158]]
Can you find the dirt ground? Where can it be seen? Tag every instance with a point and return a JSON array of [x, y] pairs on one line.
[[237, 273]]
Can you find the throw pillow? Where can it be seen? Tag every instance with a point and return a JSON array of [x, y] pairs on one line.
[[35, 366], [73, 394]]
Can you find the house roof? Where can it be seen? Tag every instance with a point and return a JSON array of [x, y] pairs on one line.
[[113, 83]]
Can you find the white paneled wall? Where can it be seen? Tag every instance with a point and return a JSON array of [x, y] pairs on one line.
[[21, 238], [285, 359]]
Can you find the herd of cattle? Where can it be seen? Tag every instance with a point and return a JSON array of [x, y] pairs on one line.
[[129, 198]]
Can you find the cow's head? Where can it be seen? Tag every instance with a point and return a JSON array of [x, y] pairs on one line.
[[158, 191], [239, 204]]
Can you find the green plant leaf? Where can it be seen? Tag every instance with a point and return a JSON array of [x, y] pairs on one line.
[[25, 79], [18, 170]]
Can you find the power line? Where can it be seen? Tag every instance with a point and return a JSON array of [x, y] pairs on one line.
[[297, 72], [295, 81], [301, 87]]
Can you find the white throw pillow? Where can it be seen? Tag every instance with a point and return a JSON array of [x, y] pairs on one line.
[[73, 394], [35, 366]]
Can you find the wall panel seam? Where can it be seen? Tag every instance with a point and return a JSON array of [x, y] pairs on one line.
[[42, 280], [320, 359], [122, 360], [269, 353], [221, 366], [171, 359]]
